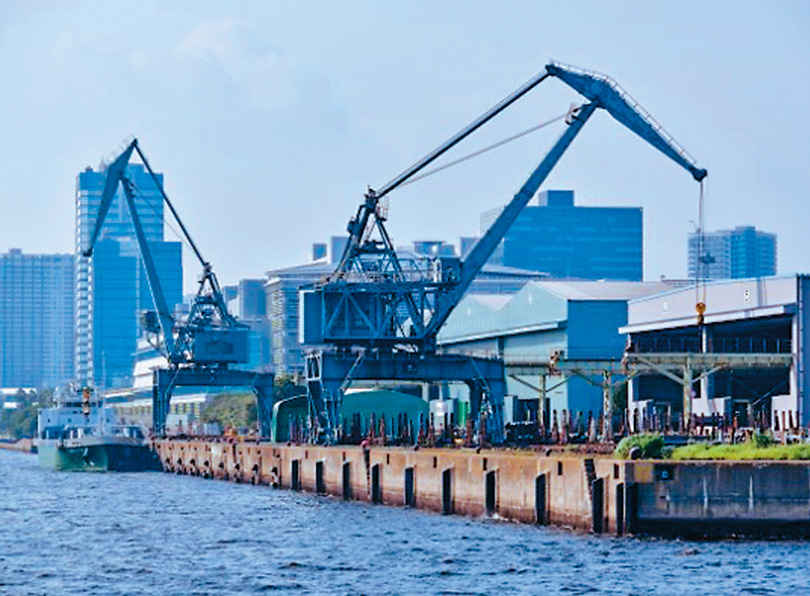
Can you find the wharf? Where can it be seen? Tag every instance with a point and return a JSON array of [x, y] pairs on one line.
[[587, 493]]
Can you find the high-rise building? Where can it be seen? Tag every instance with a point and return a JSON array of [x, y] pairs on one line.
[[555, 236], [248, 303], [36, 319], [111, 286], [733, 254]]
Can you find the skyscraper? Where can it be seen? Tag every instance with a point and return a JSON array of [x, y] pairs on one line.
[[555, 236], [111, 286], [733, 254], [36, 319]]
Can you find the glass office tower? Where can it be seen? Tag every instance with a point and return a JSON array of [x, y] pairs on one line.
[[555, 236]]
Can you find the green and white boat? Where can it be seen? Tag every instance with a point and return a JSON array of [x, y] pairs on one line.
[[81, 433]]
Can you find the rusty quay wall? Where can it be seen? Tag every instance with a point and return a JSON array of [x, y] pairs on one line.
[[592, 494]]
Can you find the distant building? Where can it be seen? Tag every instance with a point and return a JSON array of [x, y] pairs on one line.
[[466, 244], [337, 244], [281, 291], [733, 254], [111, 286], [433, 248], [319, 251], [566, 241], [249, 306], [36, 319]]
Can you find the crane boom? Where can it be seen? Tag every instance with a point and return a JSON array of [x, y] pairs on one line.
[[484, 248], [603, 92], [114, 173], [608, 95], [359, 224], [164, 316]]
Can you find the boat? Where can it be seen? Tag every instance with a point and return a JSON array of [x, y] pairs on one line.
[[81, 433]]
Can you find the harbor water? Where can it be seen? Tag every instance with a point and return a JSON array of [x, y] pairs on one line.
[[155, 533]]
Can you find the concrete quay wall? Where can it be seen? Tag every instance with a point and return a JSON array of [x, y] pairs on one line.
[[592, 494]]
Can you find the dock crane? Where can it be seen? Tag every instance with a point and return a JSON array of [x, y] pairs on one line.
[[381, 315], [200, 348]]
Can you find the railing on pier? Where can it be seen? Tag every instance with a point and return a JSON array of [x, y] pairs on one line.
[[720, 345]]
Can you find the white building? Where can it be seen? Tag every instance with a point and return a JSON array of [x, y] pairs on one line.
[[761, 325]]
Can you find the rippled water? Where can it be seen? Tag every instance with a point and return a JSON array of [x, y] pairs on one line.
[[154, 533]]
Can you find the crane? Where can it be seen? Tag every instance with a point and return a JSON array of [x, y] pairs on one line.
[[392, 309], [200, 348]]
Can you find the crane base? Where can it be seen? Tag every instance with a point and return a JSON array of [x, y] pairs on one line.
[[165, 380], [329, 373]]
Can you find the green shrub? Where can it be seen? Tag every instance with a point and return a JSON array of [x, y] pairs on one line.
[[760, 440], [651, 446]]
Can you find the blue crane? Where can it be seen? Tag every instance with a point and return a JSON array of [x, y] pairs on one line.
[[383, 305], [199, 348]]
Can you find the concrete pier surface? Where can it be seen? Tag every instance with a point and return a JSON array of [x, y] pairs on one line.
[[598, 494]]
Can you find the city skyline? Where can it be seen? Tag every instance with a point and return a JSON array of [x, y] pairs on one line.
[[264, 117]]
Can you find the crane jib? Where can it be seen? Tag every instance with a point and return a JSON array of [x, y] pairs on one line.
[[368, 302], [609, 96]]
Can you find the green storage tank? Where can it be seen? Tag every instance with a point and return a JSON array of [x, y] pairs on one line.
[[362, 403]]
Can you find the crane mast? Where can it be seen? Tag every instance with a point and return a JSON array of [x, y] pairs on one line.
[[210, 335]]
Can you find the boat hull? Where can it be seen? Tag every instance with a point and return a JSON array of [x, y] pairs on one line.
[[97, 457]]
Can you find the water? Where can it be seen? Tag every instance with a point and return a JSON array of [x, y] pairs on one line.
[[154, 533]]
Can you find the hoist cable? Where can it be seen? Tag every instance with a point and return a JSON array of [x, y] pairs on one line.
[[501, 143]]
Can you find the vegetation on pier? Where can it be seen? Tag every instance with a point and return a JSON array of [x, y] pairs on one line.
[[645, 446], [757, 447], [742, 451]]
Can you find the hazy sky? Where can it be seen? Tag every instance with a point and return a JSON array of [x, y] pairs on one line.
[[269, 119]]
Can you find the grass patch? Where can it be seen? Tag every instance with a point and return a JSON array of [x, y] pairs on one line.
[[650, 446], [744, 451]]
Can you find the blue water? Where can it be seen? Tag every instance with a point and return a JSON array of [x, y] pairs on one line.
[[154, 533]]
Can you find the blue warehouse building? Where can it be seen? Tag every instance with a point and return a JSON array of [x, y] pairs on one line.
[[576, 319], [567, 241]]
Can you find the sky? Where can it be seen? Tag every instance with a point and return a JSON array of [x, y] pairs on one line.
[[270, 119]]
